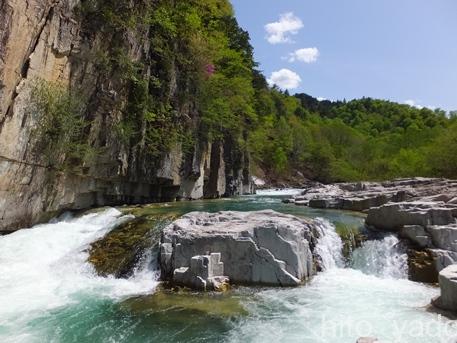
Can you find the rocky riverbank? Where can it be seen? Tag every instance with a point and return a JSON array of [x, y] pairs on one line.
[[423, 211]]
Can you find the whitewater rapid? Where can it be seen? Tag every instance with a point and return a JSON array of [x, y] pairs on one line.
[[49, 293], [371, 297], [46, 267]]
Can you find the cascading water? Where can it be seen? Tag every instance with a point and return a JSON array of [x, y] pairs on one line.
[[384, 258], [49, 293], [329, 246], [45, 268]]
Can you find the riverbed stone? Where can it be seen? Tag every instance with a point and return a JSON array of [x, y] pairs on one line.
[[393, 216], [448, 285], [263, 248]]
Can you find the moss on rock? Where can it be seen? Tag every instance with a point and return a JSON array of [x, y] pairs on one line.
[[187, 302], [121, 250]]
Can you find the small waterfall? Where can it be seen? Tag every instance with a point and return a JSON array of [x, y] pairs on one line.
[[47, 265], [329, 246], [384, 258]]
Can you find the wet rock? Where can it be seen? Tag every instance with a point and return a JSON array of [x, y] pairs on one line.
[[417, 235], [118, 253], [422, 266], [264, 247], [431, 229], [443, 258], [444, 236], [181, 304], [393, 216], [448, 285]]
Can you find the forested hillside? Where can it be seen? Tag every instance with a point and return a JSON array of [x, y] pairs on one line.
[[108, 102], [366, 139]]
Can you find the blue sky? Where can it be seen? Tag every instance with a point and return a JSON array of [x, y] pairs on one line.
[[401, 50]]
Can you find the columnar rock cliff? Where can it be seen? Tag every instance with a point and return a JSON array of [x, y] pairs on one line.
[[51, 41]]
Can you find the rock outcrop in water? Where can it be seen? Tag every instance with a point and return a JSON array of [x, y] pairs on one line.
[[263, 248], [430, 227], [53, 41], [448, 285], [421, 210], [362, 196]]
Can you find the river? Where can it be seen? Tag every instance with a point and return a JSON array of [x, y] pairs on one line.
[[49, 293]]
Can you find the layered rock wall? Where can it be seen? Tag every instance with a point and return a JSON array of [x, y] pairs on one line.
[[47, 40]]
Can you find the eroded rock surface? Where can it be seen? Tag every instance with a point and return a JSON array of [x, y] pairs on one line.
[[430, 227], [361, 196], [422, 211], [448, 285], [264, 248]]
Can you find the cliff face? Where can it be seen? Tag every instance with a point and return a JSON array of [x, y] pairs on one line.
[[48, 40]]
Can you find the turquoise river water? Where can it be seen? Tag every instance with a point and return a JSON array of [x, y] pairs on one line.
[[49, 293]]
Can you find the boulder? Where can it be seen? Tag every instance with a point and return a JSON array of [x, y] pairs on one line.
[[393, 216], [448, 285], [263, 248]]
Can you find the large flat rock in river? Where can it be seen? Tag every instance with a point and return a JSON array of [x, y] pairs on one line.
[[263, 247]]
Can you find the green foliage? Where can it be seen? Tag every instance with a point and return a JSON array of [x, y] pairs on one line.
[[198, 80], [442, 155], [348, 141], [61, 142]]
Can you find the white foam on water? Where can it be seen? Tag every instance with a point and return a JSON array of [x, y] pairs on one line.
[[340, 305], [385, 258], [329, 246], [46, 267], [277, 192]]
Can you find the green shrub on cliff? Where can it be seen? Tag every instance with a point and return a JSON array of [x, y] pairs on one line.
[[60, 126]]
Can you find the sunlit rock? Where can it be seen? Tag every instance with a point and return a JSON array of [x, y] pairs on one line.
[[265, 247], [448, 285]]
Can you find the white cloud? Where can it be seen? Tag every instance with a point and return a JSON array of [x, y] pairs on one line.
[[307, 55], [414, 103], [321, 98], [279, 31], [285, 79]]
